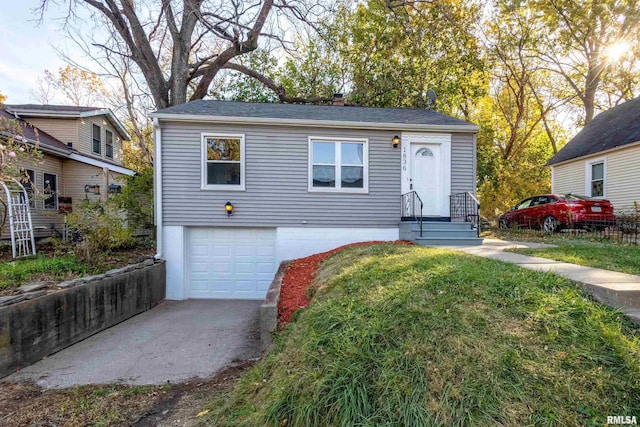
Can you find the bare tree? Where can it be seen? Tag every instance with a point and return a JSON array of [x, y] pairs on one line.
[[179, 47]]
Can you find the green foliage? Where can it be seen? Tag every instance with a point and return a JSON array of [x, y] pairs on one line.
[[395, 54], [414, 336], [240, 87], [136, 199], [14, 273], [102, 228]]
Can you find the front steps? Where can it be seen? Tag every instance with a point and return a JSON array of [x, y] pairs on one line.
[[438, 233]]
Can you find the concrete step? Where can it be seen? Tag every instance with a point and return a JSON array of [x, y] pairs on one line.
[[435, 225], [449, 241], [438, 234]]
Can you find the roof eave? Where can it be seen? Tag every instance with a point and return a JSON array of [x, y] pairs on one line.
[[74, 115], [312, 123], [597, 153]]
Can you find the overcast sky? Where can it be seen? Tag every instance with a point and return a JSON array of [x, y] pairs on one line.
[[26, 48]]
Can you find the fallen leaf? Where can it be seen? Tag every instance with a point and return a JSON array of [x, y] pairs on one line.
[[202, 413]]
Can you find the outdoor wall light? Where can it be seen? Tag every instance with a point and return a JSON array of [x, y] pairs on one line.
[[395, 141], [229, 208]]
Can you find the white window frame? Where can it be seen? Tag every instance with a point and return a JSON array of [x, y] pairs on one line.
[[204, 161], [588, 175], [56, 194], [338, 165], [99, 152], [107, 132]]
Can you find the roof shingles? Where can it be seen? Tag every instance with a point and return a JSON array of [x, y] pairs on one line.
[[407, 116], [613, 128]]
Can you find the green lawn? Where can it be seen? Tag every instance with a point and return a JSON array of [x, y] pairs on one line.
[[616, 257], [18, 272], [411, 336]]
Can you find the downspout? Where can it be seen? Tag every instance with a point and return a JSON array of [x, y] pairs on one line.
[[157, 179]]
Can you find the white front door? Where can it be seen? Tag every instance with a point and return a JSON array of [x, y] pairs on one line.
[[426, 177]]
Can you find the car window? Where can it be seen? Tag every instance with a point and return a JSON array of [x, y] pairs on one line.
[[543, 200], [525, 204], [575, 197]]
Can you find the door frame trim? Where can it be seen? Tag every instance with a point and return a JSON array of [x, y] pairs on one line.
[[444, 140]]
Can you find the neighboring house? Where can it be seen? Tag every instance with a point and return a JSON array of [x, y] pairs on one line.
[[82, 159], [603, 159], [301, 179]]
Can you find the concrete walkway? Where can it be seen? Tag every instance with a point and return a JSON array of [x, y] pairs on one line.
[[172, 342], [615, 289]]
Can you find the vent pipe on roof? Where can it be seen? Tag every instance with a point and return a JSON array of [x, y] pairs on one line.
[[338, 99]]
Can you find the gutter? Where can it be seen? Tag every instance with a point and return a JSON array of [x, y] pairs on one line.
[[157, 178], [312, 123]]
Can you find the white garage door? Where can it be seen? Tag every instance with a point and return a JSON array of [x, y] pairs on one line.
[[230, 262]]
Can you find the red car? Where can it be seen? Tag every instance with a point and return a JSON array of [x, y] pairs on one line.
[[552, 212]]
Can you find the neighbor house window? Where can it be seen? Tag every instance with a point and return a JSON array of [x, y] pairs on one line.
[[28, 181], [108, 144], [97, 142], [50, 191], [338, 165], [223, 162], [597, 179]]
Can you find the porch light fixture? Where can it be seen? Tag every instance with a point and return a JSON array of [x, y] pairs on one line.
[[395, 141], [229, 208], [115, 188]]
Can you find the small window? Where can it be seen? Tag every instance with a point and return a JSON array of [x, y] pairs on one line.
[[108, 144], [97, 141], [424, 152], [597, 179], [223, 162], [336, 165], [28, 181], [50, 191]]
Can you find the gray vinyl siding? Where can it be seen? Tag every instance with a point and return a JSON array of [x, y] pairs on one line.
[[276, 175], [463, 174]]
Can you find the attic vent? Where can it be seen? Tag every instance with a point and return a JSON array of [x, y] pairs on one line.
[[70, 144]]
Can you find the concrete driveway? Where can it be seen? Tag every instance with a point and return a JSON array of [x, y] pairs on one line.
[[172, 342]]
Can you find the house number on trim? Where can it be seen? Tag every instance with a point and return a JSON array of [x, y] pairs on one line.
[[404, 158]]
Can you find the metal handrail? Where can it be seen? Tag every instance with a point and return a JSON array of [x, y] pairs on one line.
[[408, 203], [465, 206]]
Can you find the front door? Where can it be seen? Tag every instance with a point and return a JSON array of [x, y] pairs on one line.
[[426, 176]]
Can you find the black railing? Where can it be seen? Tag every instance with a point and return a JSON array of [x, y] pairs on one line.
[[412, 207], [465, 207], [624, 227]]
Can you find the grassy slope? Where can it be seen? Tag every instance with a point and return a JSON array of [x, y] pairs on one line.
[[624, 258], [14, 273], [415, 336]]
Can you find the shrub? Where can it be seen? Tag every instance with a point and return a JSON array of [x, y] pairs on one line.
[[136, 199], [100, 227]]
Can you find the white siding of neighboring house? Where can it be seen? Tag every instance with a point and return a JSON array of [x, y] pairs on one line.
[[622, 176]]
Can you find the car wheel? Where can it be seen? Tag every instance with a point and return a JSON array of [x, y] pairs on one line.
[[503, 224], [550, 224]]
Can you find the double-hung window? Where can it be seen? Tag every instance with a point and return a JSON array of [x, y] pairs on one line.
[[223, 162], [338, 165], [28, 180], [596, 179], [96, 146], [108, 144], [50, 191]]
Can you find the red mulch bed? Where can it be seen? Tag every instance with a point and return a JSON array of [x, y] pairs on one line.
[[300, 275]]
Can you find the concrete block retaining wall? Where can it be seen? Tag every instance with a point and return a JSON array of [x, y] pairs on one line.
[[269, 308], [34, 328]]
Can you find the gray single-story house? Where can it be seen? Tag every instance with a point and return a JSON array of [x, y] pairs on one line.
[[241, 187]]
